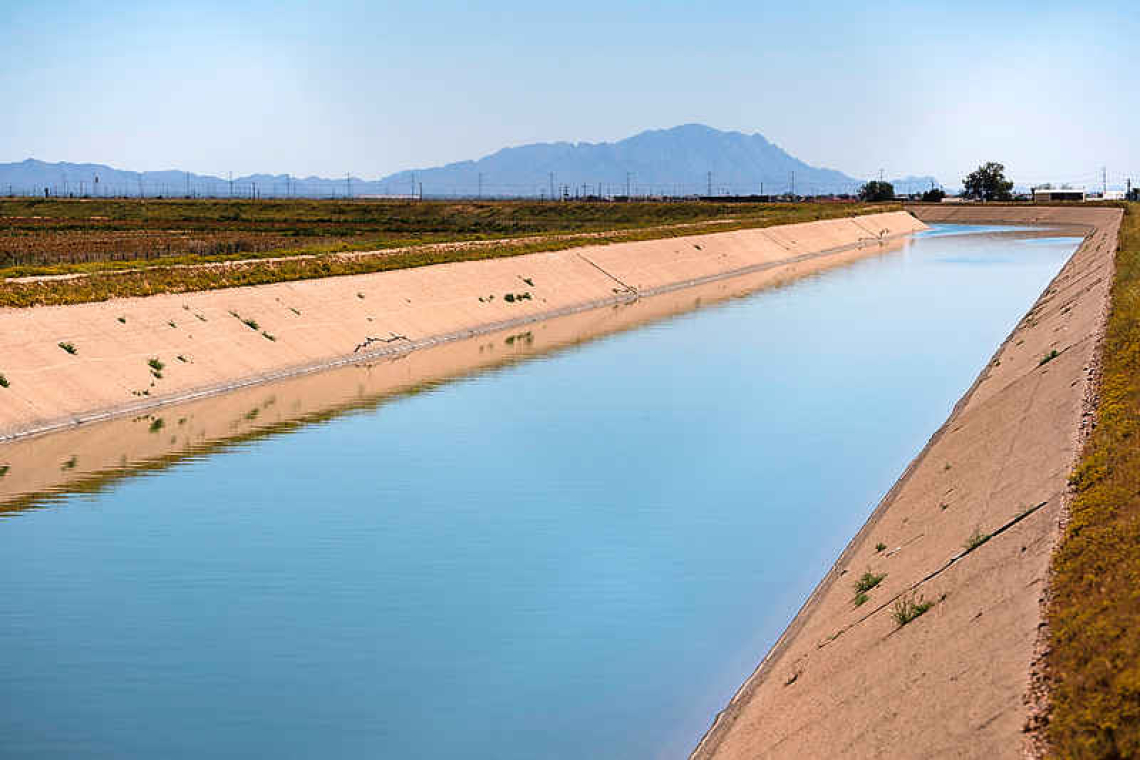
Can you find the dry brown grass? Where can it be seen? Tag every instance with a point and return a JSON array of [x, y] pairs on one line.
[[1094, 612], [182, 246]]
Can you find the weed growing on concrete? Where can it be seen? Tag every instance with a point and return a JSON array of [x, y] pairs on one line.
[[360, 296], [4, 469], [122, 320], [880, 547], [155, 364], [250, 323], [70, 463], [68, 347], [860, 599], [1048, 358], [183, 359], [172, 324], [4, 381], [976, 539], [528, 281], [268, 336], [157, 424], [868, 581], [908, 608]]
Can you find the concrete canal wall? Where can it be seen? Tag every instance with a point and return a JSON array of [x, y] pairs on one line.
[[969, 529], [73, 364]]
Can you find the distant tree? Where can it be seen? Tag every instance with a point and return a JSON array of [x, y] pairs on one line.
[[877, 191], [934, 195], [988, 183]]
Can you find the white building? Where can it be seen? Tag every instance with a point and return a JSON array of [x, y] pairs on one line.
[[1045, 194]]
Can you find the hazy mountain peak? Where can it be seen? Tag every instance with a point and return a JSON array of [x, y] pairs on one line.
[[688, 159]]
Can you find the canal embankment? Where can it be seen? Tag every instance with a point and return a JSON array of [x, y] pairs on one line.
[[91, 457], [925, 638], [68, 365]]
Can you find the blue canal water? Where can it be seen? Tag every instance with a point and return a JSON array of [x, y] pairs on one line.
[[581, 555]]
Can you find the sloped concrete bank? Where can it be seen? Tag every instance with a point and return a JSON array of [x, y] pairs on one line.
[[969, 529], [85, 458], [75, 364]]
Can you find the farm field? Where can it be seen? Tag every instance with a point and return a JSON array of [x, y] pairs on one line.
[[132, 247]]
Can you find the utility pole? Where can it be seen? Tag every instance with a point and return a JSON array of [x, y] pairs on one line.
[[348, 184], [708, 179], [231, 184], [793, 184], [628, 176], [1103, 181], [552, 186]]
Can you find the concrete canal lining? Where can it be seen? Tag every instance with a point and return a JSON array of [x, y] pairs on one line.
[[969, 528], [69, 365]]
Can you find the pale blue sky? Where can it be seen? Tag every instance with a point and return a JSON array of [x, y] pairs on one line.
[[1050, 88]]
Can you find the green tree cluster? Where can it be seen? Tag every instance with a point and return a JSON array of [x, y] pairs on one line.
[[877, 191], [988, 183]]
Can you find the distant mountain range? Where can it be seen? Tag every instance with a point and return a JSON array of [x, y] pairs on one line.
[[688, 160]]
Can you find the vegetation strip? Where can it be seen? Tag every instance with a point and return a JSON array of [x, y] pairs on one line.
[[459, 233], [1094, 608]]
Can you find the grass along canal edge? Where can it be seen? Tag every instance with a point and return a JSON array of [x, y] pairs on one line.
[[1093, 661]]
